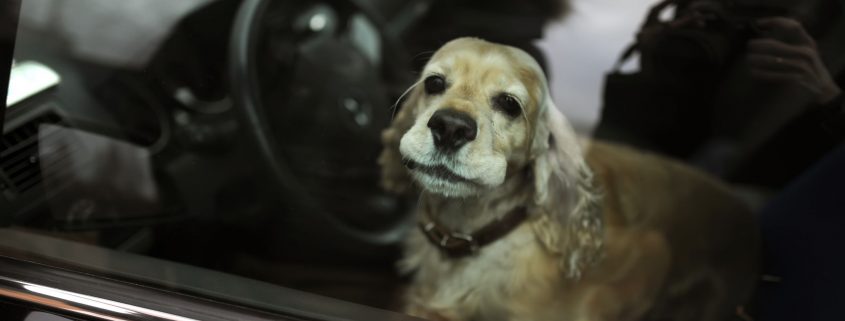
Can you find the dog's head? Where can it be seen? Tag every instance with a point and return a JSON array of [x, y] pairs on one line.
[[480, 113]]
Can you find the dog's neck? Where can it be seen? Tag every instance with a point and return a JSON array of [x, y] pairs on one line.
[[471, 213]]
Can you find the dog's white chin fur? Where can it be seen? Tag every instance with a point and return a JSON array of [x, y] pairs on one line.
[[444, 187], [483, 169]]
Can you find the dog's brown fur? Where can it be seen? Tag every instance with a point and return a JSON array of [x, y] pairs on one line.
[[613, 233]]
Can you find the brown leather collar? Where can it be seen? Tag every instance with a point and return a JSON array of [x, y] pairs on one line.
[[456, 245]]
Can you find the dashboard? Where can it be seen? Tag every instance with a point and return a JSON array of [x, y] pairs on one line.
[[143, 154]]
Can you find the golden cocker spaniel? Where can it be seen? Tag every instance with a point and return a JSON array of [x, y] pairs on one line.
[[521, 220]]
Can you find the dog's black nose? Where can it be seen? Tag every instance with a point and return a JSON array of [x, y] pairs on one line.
[[451, 129]]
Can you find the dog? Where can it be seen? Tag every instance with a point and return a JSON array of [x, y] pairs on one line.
[[520, 219]]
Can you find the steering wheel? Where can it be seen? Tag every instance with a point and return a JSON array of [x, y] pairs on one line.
[[313, 95]]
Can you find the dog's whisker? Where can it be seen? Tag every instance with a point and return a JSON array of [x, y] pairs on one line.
[[401, 97], [430, 53]]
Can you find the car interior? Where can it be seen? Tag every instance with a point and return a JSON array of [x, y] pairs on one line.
[[202, 140]]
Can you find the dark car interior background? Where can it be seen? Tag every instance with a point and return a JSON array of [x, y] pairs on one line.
[[202, 139]]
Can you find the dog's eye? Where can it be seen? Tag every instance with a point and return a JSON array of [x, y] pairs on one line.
[[507, 104], [435, 85]]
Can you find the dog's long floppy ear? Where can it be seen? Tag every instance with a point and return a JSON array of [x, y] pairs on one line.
[[570, 224], [394, 176]]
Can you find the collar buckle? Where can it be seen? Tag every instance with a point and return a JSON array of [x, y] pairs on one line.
[[457, 245]]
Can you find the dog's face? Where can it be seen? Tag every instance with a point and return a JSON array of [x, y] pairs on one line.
[[474, 115]]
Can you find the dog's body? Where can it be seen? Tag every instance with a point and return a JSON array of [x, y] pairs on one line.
[[674, 240], [611, 233]]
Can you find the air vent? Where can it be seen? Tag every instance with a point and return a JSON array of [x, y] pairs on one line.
[[19, 154]]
